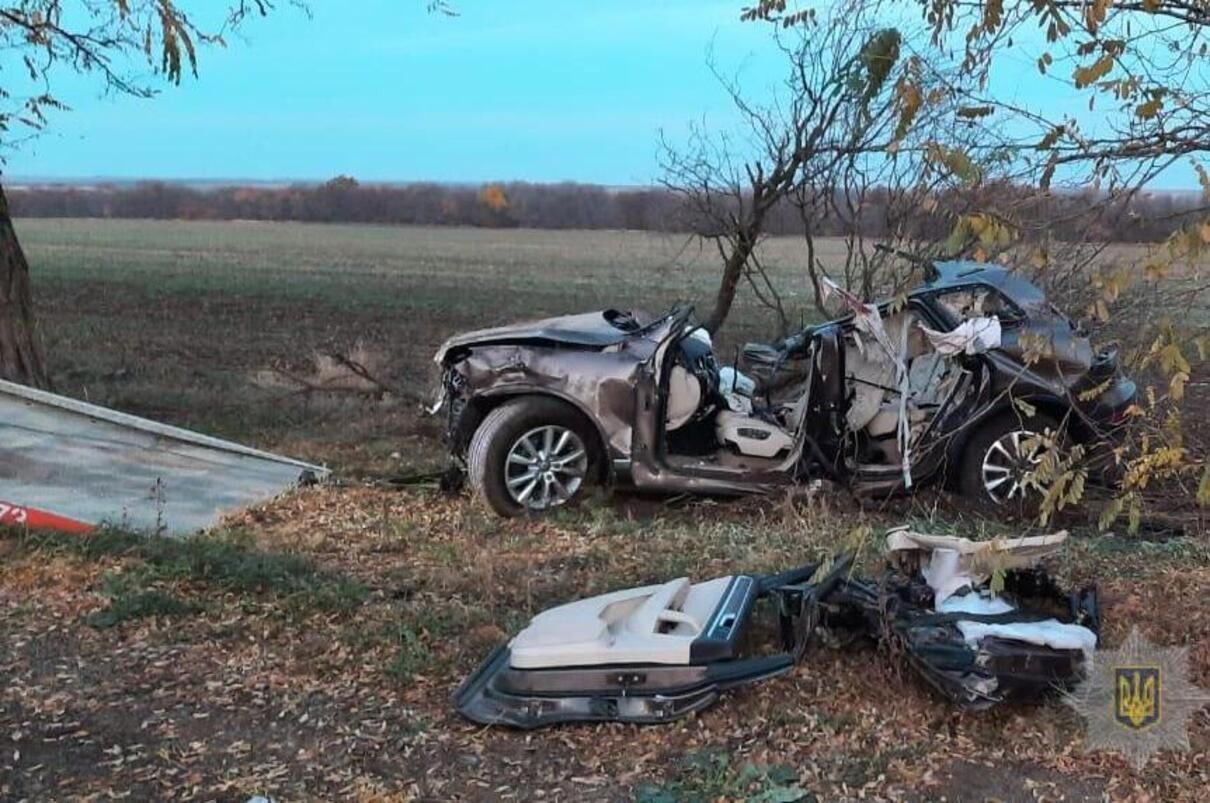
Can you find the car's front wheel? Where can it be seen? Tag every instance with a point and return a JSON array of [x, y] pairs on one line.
[[530, 455], [1001, 455]]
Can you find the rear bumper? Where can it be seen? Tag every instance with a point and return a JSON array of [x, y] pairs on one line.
[[1101, 428]]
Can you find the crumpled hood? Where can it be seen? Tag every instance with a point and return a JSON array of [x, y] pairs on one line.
[[587, 330]]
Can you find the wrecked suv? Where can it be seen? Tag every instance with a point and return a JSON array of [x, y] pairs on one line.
[[956, 381]]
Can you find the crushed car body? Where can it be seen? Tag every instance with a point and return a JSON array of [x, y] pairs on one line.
[[956, 381], [661, 652]]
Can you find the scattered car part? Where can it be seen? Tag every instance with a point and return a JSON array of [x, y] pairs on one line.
[[660, 652], [645, 655], [882, 400], [976, 647], [70, 466]]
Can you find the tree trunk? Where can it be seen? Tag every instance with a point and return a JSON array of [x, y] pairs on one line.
[[20, 358], [733, 271]]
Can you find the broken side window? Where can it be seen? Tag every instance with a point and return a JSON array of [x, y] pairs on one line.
[[979, 301]]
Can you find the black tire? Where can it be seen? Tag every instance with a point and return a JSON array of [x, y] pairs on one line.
[[503, 427], [971, 474]]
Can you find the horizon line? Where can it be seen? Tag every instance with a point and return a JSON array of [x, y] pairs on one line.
[[99, 181]]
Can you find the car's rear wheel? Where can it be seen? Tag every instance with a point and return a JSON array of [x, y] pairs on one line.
[[1000, 456], [531, 455]]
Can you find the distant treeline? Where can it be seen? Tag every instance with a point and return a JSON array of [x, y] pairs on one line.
[[1146, 218]]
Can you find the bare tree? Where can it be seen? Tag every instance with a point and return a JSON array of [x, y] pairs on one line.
[[117, 41], [850, 123], [1142, 70]]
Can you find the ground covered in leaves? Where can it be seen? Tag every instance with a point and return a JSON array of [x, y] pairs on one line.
[[309, 652]]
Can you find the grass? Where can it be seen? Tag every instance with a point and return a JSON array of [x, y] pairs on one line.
[[413, 656], [373, 682], [420, 636], [129, 599], [710, 775], [155, 568]]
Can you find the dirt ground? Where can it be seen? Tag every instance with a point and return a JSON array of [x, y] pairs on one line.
[[308, 650], [246, 693]]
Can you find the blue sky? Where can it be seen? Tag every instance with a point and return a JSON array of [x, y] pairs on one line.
[[505, 90], [510, 89]]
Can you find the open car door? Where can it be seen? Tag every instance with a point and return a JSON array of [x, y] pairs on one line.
[[805, 433], [650, 401]]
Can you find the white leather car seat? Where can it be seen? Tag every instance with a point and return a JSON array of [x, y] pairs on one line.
[[929, 379], [684, 397], [871, 371]]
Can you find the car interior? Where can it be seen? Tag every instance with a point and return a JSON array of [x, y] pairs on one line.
[[748, 416]]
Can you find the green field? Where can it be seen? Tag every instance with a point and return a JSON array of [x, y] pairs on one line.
[[307, 650]]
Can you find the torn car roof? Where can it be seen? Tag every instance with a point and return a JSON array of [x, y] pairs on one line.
[[60, 457]]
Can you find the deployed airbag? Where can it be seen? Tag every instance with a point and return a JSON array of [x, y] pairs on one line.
[[972, 336]]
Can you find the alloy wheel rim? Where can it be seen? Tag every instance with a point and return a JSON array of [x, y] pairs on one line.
[[1007, 462], [545, 467]]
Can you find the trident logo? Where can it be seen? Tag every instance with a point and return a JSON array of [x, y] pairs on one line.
[[1136, 696]]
